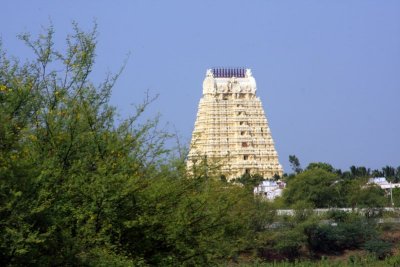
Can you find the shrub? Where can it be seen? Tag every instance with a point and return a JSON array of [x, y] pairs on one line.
[[334, 238], [380, 248]]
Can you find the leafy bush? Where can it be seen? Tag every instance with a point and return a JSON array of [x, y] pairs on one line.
[[378, 247], [315, 186], [338, 215], [78, 188], [334, 238]]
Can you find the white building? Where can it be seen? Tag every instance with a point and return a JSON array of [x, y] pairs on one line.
[[270, 189], [383, 183]]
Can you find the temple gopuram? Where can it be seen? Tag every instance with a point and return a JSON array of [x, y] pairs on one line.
[[231, 130]]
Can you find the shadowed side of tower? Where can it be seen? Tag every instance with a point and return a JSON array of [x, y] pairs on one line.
[[231, 129]]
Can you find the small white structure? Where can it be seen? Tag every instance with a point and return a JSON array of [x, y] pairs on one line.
[[270, 189], [383, 183]]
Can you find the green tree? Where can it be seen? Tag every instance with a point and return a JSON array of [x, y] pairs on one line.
[[357, 172], [350, 233], [371, 196], [249, 181], [295, 164], [78, 188], [377, 173], [380, 248], [320, 165], [397, 176], [396, 196], [289, 240], [316, 186], [390, 173], [58, 205]]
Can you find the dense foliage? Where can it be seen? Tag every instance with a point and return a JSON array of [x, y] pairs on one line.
[[322, 186], [79, 188], [315, 186]]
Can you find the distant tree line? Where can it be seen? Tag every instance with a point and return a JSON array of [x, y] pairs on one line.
[[392, 174], [323, 186]]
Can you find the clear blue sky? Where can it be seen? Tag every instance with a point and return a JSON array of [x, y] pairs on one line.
[[328, 72]]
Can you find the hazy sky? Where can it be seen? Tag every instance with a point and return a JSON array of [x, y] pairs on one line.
[[327, 72]]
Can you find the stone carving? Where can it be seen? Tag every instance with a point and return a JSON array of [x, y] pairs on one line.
[[231, 129], [248, 73]]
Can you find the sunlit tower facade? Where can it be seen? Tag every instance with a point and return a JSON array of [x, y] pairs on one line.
[[231, 129]]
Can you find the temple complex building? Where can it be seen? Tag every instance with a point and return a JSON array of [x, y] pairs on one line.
[[231, 129]]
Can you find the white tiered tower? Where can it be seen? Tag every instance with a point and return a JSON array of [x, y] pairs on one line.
[[231, 128]]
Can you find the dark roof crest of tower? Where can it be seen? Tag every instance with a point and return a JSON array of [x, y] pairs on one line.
[[229, 72]]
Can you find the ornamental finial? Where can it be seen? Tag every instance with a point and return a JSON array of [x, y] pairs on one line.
[[248, 73]]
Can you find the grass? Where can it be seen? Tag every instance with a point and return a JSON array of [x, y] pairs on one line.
[[352, 261]]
